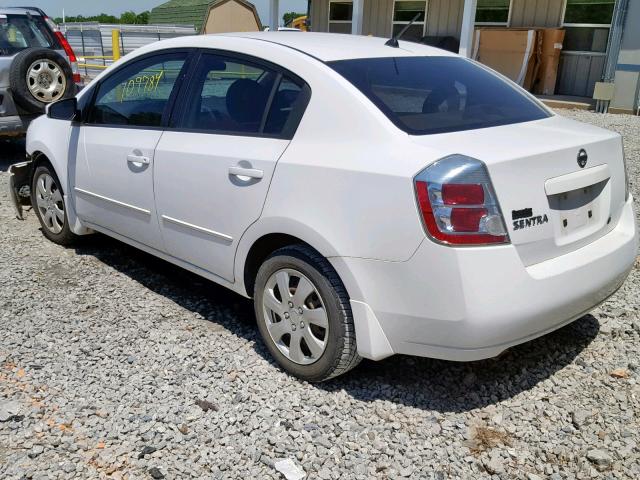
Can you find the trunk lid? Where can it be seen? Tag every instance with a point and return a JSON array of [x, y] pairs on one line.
[[552, 201]]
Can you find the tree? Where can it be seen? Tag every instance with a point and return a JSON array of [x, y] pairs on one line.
[[290, 16], [104, 18], [143, 18], [128, 17]]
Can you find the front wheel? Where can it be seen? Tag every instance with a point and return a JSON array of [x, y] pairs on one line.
[[304, 315], [47, 199]]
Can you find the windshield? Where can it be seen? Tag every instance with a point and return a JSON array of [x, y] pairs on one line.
[[427, 95], [18, 32]]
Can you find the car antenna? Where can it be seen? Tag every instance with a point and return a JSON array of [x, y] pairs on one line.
[[393, 41]]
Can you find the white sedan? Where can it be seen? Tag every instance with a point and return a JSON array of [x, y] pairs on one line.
[[372, 200]]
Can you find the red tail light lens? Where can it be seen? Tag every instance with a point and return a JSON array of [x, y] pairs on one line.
[[70, 53], [458, 203], [462, 194], [467, 219], [67, 48]]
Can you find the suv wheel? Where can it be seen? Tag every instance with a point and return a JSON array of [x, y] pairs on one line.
[[47, 199], [304, 315], [40, 76]]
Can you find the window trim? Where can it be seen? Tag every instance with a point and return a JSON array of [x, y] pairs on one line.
[[186, 88], [267, 108], [585, 25], [175, 104], [406, 22], [166, 114], [338, 22], [497, 24]]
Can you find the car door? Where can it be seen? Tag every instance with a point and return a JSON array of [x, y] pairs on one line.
[[113, 171], [214, 166]]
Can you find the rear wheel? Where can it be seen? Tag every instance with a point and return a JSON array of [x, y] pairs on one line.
[[304, 315], [47, 199]]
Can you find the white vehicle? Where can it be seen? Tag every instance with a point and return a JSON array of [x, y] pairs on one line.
[[372, 200]]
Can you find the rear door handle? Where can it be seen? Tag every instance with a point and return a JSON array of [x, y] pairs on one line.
[[131, 158], [246, 172]]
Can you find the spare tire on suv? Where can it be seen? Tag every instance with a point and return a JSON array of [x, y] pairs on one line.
[[40, 76]]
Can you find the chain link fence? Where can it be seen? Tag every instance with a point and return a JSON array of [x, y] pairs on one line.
[[91, 41]]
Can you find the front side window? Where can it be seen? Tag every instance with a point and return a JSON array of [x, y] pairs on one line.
[[340, 17], [429, 95], [492, 12], [138, 95], [587, 24], [403, 12], [18, 32], [234, 96]]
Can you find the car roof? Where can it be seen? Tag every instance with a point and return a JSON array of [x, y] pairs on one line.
[[19, 11], [322, 46]]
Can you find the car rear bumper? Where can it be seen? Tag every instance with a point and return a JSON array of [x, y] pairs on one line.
[[472, 303]]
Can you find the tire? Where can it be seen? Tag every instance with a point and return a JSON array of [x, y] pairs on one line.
[[43, 70], [288, 333], [47, 199]]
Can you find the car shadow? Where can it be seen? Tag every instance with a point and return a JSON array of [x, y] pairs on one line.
[[423, 383], [12, 150], [446, 386]]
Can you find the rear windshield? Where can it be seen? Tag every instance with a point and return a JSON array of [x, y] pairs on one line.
[[427, 95], [18, 32]]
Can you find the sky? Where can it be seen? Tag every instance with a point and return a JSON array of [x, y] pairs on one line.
[[116, 7]]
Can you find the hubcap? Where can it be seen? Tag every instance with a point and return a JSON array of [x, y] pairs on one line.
[[295, 315], [50, 204], [46, 81]]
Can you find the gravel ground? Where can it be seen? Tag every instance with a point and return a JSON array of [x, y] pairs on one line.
[[114, 364]]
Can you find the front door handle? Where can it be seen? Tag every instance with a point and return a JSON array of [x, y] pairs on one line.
[[246, 172], [131, 158]]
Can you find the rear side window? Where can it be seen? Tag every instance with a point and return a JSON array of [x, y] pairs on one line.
[[18, 32], [428, 95], [228, 96], [235, 96], [138, 94], [286, 98]]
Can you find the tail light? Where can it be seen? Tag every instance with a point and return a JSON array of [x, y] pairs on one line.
[[72, 56], [458, 203]]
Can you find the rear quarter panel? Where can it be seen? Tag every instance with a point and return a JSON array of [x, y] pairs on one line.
[[344, 184], [7, 106], [5, 67]]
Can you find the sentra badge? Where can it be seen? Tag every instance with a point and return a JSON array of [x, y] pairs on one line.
[[526, 219]]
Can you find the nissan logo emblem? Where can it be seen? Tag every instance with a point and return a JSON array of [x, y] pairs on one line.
[[582, 157]]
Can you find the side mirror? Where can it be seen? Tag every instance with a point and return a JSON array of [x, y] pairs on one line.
[[66, 109]]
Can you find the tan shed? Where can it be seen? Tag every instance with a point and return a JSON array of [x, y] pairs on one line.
[[231, 16]]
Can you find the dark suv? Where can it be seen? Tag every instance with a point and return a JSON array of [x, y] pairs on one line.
[[37, 67]]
